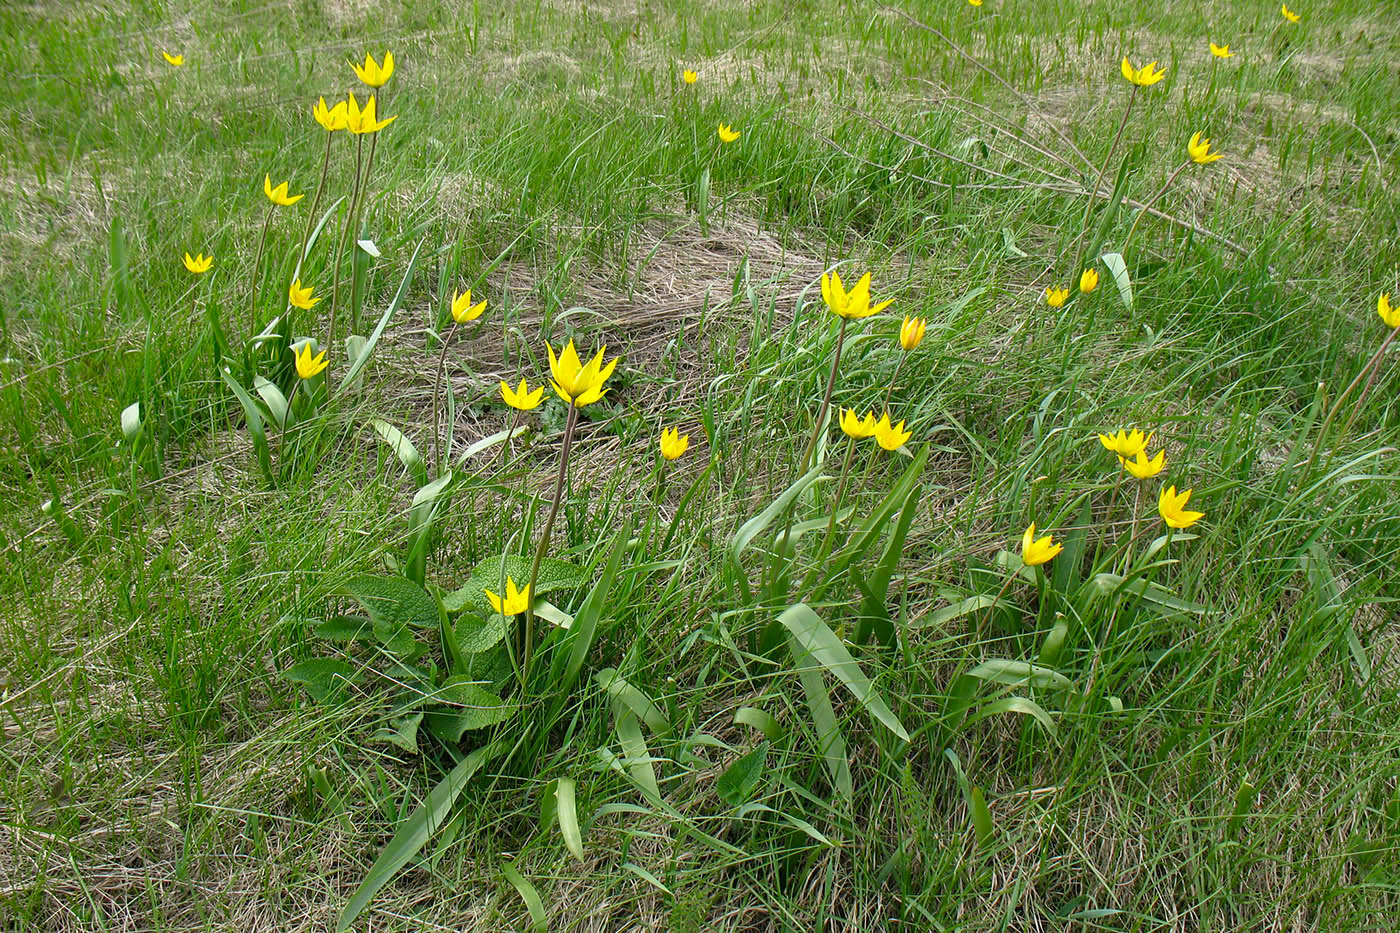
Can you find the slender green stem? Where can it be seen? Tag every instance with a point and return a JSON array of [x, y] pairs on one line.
[[890, 391], [527, 645], [987, 617], [354, 249], [257, 262], [1341, 399], [1103, 170], [315, 203], [437, 385], [1375, 367], [1151, 201], [826, 401], [836, 507], [340, 249]]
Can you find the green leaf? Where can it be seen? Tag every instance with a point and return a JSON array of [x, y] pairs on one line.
[[956, 611], [254, 418], [876, 522], [820, 642], [1020, 705], [634, 699], [761, 720], [1054, 644], [470, 706], [392, 601], [363, 358], [346, 629], [1119, 270], [414, 832], [401, 731], [490, 441], [1158, 597], [275, 401], [981, 816], [572, 652], [634, 750], [567, 814], [742, 538], [427, 503], [403, 448], [528, 894], [477, 634], [874, 605], [830, 742], [323, 678], [737, 784], [1015, 673]]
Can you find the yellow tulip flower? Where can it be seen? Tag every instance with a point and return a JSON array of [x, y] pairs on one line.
[[1290, 15], [911, 332], [516, 601], [1172, 508], [1036, 551], [1089, 280], [890, 437], [852, 304], [307, 365], [373, 75], [198, 264], [301, 297], [463, 310], [1391, 315], [1126, 443], [1221, 51], [727, 133], [974, 2], [689, 76], [576, 383], [522, 398], [331, 119], [674, 443], [1144, 468], [858, 428], [1199, 151], [1146, 76], [279, 194], [1055, 296], [363, 121], [176, 60]]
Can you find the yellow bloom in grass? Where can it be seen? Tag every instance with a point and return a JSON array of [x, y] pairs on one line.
[[890, 437], [727, 133], [1089, 280], [689, 76], [360, 121], [852, 304], [576, 383], [301, 297], [1126, 443], [176, 60], [1391, 315], [370, 72], [1036, 551], [674, 443], [1290, 15], [522, 398], [516, 601], [1144, 468], [307, 365], [1172, 508], [1199, 151], [1221, 51], [1146, 76], [463, 310], [911, 332], [198, 264], [974, 2], [279, 194], [331, 119], [1056, 297], [858, 428]]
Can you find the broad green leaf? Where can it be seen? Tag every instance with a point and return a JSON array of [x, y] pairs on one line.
[[362, 359], [401, 731], [275, 401], [876, 522], [635, 700], [528, 894], [741, 539], [761, 720], [427, 503], [981, 817], [634, 750], [567, 814], [490, 441], [1015, 673], [476, 634], [323, 678], [414, 832], [552, 614], [254, 419], [572, 651], [403, 449], [470, 706], [1161, 598], [346, 629], [1020, 705], [392, 601], [1119, 270], [956, 611], [648, 877], [830, 742], [826, 650], [738, 782], [491, 574], [1054, 643]]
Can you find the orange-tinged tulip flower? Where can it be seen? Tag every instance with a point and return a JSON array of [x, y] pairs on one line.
[[1172, 508], [1036, 551], [674, 443], [522, 398]]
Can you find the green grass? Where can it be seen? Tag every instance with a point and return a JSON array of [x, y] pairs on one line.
[[1223, 760]]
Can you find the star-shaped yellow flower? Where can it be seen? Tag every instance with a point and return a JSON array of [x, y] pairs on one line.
[[198, 264], [1126, 443], [727, 133], [363, 121], [1036, 551], [858, 428], [176, 60], [674, 443], [853, 304], [1199, 151], [522, 398], [890, 437], [1146, 76], [307, 365], [1290, 15], [1088, 280], [279, 194], [516, 601], [331, 119], [576, 383], [1389, 314], [371, 73], [1144, 468], [689, 76], [1056, 296], [1172, 508], [463, 310], [301, 297], [1221, 51]]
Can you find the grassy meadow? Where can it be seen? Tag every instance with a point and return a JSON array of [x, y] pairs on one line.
[[809, 674]]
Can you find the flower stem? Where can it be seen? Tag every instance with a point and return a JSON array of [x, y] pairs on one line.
[[315, 203], [257, 262], [1151, 201], [527, 645], [826, 401], [987, 617], [437, 384], [354, 254], [1373, 362], [890, 391], [836, 507], [340, 249], [1103, 170]]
